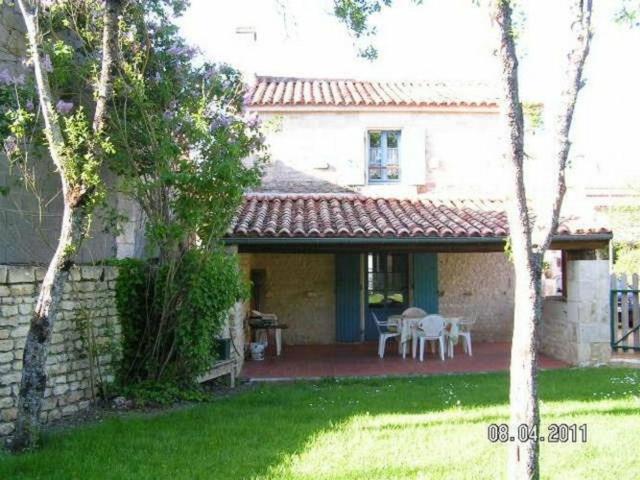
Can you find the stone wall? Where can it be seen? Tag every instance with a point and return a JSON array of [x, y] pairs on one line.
[[482, 283], [576, 329], [89, 299], [300, 289], [326, 151]]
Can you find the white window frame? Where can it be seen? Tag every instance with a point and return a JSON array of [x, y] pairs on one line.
[[383, 146]]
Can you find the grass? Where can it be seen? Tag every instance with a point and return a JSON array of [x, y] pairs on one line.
[[414, 428]]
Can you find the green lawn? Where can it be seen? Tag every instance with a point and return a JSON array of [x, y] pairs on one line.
[[418, 428]]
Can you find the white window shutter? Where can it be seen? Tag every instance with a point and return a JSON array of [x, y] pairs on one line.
[[413, 156], [356, 162]]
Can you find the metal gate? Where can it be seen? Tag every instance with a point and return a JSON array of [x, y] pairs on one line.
[[625, 313]]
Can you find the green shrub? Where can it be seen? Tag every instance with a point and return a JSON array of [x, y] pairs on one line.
[[627, 259], [171, 315]]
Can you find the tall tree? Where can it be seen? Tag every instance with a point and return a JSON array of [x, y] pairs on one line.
[[76, 147], [531, 235], [531, 238]]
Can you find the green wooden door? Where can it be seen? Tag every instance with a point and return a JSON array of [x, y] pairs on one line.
[[425, 281], [348, 297]]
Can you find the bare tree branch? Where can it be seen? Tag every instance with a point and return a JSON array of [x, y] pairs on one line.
[[581, 25]]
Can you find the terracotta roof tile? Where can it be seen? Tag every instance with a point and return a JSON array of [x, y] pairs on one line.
[[352, 215], [283, 91]]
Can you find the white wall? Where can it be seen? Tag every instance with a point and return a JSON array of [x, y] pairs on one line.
[[439, 151]]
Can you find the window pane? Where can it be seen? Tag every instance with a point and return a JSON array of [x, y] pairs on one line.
[[392, 156], [375, 173], [375, 139], [384, 156], [392, 139], [375, 156]]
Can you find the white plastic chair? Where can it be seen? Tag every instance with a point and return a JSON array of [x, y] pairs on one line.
[[411, 313], [384, 333], [414, 312], [430, 328], [464, 330]]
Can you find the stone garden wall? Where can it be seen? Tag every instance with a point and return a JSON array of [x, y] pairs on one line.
[[576, 328], [87, 311]]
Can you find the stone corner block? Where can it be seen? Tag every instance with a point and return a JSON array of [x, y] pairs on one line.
[[22, 275], [110, 272], [4, 270], [91, 273], [40, 273]]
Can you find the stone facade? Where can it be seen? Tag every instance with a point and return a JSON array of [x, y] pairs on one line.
[[576, 329], [326, 151], [300, 289], [482, 283], [87, 309]]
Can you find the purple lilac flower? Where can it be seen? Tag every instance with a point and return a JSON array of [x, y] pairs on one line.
[[10, 145], [176, 50], [168, 115], [210, 73], [6, 77], [182, 50], [246, 98], [29, 106], [64, 107], [220, 121], [252, 119]]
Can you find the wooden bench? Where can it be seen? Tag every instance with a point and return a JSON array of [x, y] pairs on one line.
[[219, 369]]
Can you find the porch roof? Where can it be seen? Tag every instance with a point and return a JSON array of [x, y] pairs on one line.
[[352, 218]]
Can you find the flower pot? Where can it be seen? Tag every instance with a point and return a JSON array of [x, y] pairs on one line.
[[257, 350]]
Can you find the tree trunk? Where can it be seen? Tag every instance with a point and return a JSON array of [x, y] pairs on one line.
[[36, 348], [73, 227], [528, 253], [523, 388]]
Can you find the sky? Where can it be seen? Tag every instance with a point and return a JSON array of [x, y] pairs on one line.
[[447, 40]]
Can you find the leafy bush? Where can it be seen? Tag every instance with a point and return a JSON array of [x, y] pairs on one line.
[[627, 259], [171, 315]]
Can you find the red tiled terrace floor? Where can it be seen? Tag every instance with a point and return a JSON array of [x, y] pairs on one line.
[[353, 360]]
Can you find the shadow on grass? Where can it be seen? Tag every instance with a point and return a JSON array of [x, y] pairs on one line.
[[248, 435]]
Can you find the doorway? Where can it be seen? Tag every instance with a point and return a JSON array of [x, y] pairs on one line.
[[387, 288]]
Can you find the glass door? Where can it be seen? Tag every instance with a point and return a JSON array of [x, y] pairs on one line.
[[387, 288]]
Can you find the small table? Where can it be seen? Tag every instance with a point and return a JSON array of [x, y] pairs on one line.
[[262, 325], [408, 325]]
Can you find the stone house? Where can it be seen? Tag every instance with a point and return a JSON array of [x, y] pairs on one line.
[[385, 195]]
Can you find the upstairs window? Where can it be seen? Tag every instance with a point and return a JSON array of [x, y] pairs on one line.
[[384, 157]]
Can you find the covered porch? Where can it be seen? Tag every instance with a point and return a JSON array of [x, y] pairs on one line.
[[327, 265]]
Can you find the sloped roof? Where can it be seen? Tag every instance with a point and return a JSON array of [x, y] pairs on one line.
[[356, 216], [288, 91]]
